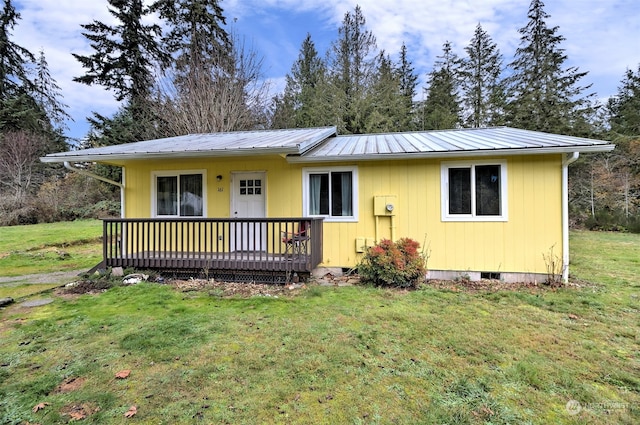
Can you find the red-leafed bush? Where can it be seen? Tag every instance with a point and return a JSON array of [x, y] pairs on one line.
[[398, 264]]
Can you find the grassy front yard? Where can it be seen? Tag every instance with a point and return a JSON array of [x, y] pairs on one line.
[[48, 247], [349, 355]]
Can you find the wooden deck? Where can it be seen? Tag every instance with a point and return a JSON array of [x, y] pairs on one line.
[[260, 245], [238, 260]]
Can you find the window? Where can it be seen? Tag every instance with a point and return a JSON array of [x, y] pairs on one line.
[[179, 195], [474, 191], [251, 187], [331, 193]]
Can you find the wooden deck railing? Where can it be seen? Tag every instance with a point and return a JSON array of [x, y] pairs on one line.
[[261, 244]]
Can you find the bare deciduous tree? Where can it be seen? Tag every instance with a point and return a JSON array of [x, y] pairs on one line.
[[19, 151], [225, 95]]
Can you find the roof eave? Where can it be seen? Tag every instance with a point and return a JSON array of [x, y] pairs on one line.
[[169, 155], [451, 154]]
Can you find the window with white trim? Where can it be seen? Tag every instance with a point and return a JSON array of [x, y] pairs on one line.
[[331, 193], [474, 191], [179, 194]]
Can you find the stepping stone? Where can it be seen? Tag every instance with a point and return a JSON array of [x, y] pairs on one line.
[[37, 303]]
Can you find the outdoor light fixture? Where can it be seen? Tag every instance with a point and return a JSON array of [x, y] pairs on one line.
[[219, 177]]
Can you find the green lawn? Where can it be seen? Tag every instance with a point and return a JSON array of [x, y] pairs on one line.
[[49, 247], [350, 355]]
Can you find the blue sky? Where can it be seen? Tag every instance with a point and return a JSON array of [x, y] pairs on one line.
[[602, 36]]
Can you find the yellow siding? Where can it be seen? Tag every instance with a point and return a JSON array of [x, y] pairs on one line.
[[283, 185], [517, 245]]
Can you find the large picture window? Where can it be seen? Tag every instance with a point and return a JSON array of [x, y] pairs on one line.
[[330, 193], [474, 191], [179, 195]]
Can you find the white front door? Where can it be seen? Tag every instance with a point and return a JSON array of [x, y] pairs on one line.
[[248, 200]]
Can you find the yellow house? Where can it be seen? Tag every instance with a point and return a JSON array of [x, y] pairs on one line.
[[488, 202]]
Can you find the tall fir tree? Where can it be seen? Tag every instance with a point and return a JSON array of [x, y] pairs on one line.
[[624, 108], [387, 108], [123, 61], [352, 64], [18, 108], [542, 93], [282, 113], [482, 88], [196, 38], [299, 105], [124, 54], [441, 108], [408, 83], [48, 95], [14, 59]]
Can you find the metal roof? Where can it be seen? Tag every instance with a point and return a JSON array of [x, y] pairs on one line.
[[258, 142], [323, 145], [448, 143]]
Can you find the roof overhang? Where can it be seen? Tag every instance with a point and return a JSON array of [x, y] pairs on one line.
[[209, 145], [79, 156], [323, 145], [450, 154]]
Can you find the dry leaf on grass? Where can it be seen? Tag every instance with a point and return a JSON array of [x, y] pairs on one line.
[[123, 374], [39, 406], [131, 412], [78, 415]]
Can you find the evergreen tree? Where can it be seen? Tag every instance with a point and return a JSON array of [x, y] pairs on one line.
[[48, 95], [624, 108], [14, 59], [542, 94], [282, 111], [351, 67], [123, 60], [21, 112], [18, 109], [441, 109], [299, 105], [483, 94], [196, 38], [124, 54], [388, 107], [408, 83], [121, 128], [306, 75]]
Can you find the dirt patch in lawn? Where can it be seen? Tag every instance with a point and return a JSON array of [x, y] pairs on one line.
[[87, 286], [80, 411], [69, 385]]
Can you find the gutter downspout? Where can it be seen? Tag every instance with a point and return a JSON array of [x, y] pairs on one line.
[[566, 161], [68, 166]]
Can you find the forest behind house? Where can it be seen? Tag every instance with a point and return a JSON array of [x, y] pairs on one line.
[[192, 74]]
